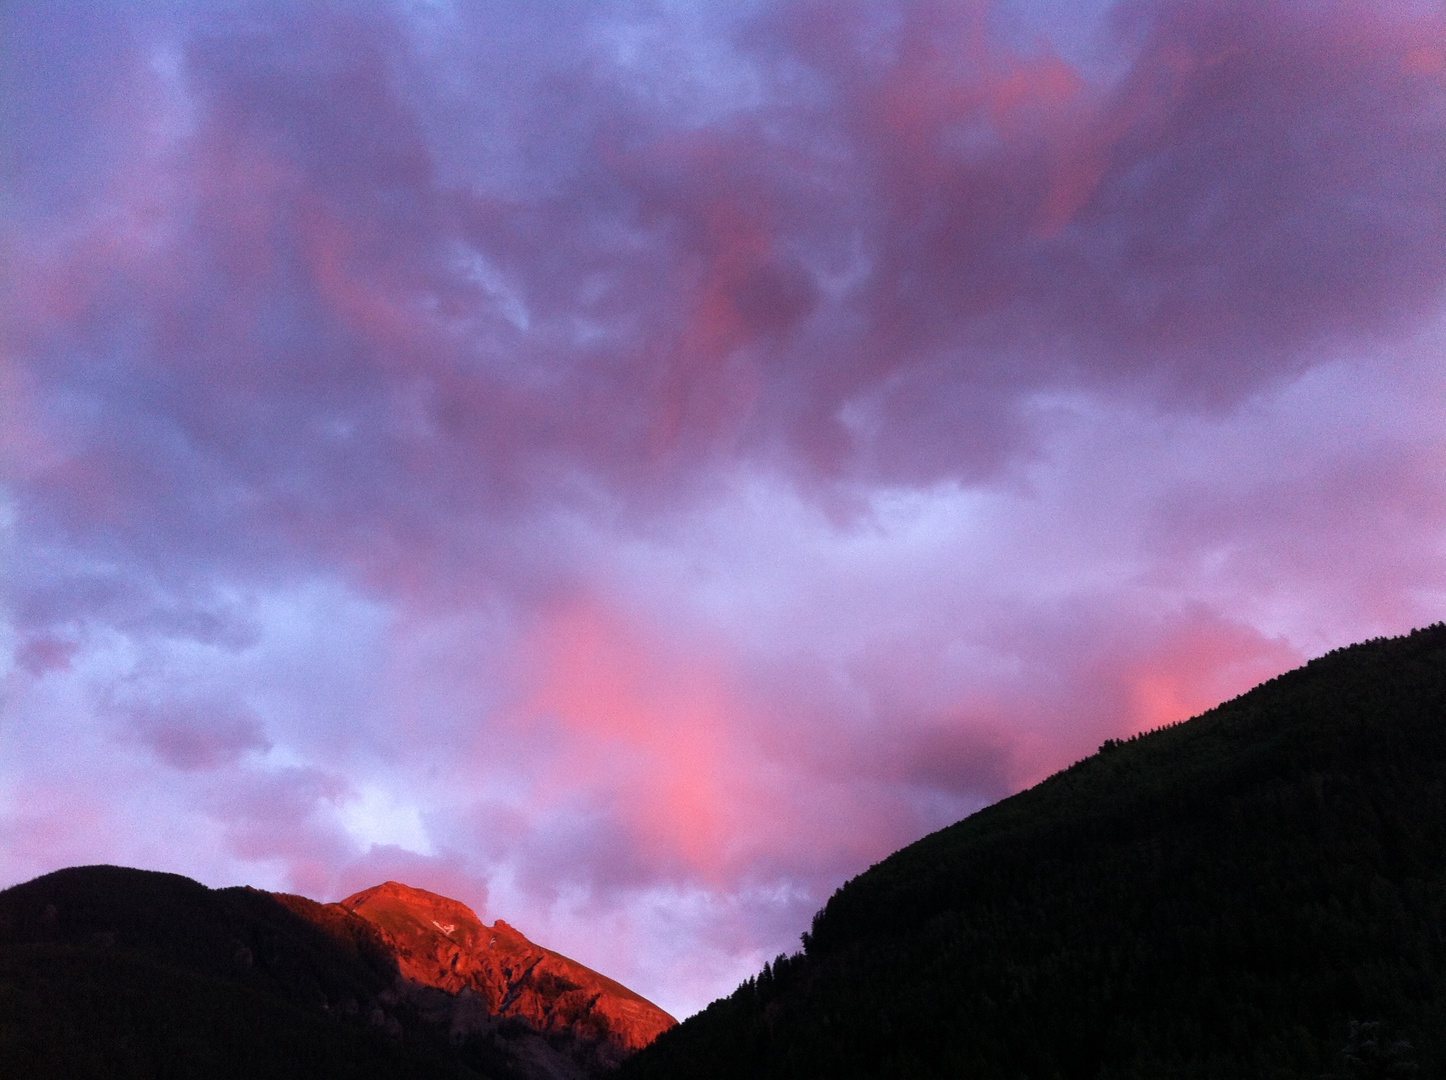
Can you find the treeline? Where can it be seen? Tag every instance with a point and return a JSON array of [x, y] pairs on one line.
[[1241, 895]]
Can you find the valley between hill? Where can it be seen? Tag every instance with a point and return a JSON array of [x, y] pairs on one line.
[[1259, 892]]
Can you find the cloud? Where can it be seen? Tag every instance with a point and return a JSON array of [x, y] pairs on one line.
[[909, 229], [638, 463], [207, 737]]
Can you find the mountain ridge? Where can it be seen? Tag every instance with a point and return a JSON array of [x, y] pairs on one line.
[[114, 972], [515, 977]]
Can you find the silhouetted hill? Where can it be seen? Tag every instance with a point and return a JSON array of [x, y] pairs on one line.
[[108, 972], [1258, 892]]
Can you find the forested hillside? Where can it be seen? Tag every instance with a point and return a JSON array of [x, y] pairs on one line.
[[1258, 892]]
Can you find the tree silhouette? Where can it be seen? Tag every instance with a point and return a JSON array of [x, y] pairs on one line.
[[1371, 1053]]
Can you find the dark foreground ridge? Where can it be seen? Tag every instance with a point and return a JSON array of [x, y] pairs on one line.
[[107, 972], [1259, 892]]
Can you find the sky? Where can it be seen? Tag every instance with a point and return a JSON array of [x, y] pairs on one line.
[[632, 465]]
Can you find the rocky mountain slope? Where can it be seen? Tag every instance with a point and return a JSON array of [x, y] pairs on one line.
[[111, 972], [1259, 892], [440, 943]]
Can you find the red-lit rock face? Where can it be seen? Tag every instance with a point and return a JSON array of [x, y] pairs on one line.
[[440, 943]]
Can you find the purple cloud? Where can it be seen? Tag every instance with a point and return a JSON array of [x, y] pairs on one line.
[[201, 736]]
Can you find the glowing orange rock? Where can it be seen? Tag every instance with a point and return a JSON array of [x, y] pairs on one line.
[[441, 943]]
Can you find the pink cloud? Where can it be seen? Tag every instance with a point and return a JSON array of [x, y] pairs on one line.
[[43, 653], [645, 732]]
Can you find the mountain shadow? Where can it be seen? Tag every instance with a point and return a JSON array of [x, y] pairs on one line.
[[1259, 892]]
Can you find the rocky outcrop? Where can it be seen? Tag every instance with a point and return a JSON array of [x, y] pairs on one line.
[[494, 973]]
